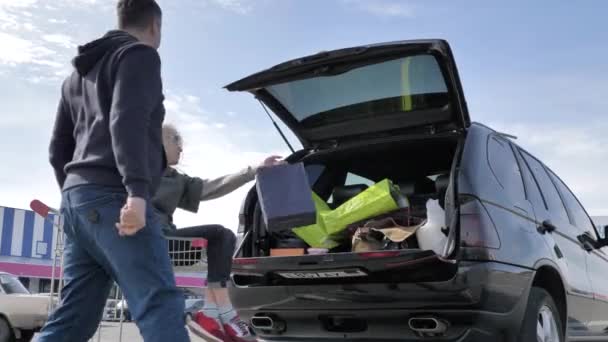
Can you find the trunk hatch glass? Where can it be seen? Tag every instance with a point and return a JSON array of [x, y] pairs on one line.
[[392, 87]]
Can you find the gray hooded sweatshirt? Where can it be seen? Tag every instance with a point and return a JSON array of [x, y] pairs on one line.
[[178, 190]]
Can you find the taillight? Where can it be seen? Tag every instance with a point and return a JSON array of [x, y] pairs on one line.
[[476, 226], [379, 254]]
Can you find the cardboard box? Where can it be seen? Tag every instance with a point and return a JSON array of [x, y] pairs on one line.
[[285, 197], [286, 251]]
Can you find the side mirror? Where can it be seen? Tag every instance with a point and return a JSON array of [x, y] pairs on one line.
[[603, 241]]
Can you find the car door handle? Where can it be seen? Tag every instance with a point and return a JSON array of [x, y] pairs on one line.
[[546, 226], [587, 246]]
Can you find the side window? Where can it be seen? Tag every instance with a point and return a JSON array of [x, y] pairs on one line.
[[581, 220], [313, 172], [532, 187], [352, 179], [505, 168], [552, 197]]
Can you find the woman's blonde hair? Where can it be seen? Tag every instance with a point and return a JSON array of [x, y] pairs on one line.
[[171, 132]]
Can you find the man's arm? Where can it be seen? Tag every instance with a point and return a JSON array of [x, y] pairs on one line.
[[61, 149], [137, 93]]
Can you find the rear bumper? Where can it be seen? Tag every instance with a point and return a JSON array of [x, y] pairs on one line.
[[482, 301]]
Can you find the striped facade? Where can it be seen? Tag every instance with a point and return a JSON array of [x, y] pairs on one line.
[[27, 235], [27, 246]]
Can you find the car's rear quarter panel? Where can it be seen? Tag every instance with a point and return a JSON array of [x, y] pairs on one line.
[[520, 243]]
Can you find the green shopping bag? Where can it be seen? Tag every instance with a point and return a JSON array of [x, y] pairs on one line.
[[315, 234], [375, 200]]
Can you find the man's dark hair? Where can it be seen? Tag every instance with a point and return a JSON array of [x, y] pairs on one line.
[[137, 13]]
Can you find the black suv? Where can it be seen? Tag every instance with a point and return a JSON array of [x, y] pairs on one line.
[[517, 257]]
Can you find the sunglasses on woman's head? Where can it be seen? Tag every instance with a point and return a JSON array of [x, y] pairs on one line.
[[177, 139]]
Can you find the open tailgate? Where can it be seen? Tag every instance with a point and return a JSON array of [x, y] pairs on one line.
[[410, 265]]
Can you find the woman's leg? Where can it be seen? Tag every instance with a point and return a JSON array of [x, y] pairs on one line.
[[221, 243]]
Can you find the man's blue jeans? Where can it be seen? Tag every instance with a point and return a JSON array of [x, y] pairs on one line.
[[95, 256]]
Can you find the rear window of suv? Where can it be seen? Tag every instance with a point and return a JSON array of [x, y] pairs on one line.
[[399, 85]]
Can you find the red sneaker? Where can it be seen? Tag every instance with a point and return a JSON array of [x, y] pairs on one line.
[[207, 328], [238, 330]]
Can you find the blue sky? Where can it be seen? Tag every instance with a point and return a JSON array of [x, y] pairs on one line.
[[534, 69]]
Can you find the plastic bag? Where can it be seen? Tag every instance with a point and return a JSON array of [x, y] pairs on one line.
[[375, 200], [315, 235], [383, 234], [430, 235]]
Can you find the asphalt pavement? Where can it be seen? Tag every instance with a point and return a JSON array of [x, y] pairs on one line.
[[111, 332]]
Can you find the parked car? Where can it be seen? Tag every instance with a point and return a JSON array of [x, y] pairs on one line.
[[113, 309], [110, 313], [193, 306], [21, 313], [518, 258], [123, 306]]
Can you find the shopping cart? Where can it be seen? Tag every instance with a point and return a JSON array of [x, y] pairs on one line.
[[188, 256]]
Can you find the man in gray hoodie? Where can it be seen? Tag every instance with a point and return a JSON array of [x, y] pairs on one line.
[[106, 150]]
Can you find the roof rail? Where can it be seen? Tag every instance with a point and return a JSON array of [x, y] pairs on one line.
[[506, 135]]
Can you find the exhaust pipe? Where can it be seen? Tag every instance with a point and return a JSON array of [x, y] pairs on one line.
[[428, 325], [267, 323], [262, 322]]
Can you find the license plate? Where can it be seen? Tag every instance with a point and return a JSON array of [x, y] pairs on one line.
[[348, 273]]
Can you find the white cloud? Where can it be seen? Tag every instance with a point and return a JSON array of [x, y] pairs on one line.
[[192, 99], [57, 21], [400, 9], [237, 6], [11, 19], [29, 27], [17, 3], [62, 40], [16, 50], [38, 37]]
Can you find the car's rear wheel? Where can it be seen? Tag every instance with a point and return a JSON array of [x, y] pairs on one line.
[[542, 321], [27, 335], [6, 333]]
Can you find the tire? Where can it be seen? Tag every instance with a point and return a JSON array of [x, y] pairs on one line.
[[126, 316], [27, 335], [6, 332], [542, 321]]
